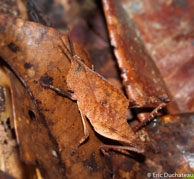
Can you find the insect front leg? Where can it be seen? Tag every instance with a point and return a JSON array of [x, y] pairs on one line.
[[86, 133], [83, 117], [150, 117], [67, 94]]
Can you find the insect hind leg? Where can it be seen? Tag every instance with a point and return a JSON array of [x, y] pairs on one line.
[[123, 149], [149, 118]]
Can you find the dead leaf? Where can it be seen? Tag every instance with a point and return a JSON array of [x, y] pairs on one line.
[[37, 145]]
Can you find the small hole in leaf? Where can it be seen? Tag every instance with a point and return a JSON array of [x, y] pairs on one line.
[[32, 115]]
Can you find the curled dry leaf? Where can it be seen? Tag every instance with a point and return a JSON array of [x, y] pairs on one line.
[[141, 78]]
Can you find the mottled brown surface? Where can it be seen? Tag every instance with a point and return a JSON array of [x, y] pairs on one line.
[[141, 78], [166, 28]]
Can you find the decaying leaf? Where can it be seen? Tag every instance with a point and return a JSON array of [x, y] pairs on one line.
[[14, 8]]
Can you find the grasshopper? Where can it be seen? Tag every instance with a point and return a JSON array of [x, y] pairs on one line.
[[100, 102]]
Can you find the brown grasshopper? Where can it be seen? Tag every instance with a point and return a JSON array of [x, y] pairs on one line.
[[103, 104]]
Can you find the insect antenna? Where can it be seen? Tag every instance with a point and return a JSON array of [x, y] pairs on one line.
[[65, 46], [71, 44], [72, 49], [63, 51], [69, 59]]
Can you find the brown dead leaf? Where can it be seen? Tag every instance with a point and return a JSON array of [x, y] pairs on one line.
[[36, 145], [141, 78]]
